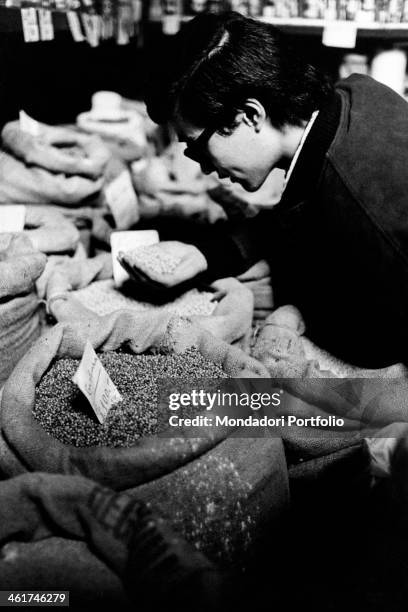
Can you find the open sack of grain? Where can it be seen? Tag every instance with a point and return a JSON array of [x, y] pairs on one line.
[[81, 289], [217, 490], [57, 166], [20, 266], [173, 185]]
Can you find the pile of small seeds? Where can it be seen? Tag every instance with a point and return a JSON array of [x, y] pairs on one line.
[[151, 259], [103, 298], [66, 415]]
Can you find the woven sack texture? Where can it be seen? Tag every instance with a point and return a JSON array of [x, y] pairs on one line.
[[20, 266]]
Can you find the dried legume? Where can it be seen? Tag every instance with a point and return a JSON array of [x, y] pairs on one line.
[[151, 259], [103, 298], [65, 414]]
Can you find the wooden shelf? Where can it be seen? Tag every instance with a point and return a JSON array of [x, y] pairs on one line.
[[298, 25]]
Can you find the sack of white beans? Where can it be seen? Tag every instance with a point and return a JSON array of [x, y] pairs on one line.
[[20, 266], [76, 288]]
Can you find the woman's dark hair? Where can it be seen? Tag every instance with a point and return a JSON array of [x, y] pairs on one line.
[[219, 61]]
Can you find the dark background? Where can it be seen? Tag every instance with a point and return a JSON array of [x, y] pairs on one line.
[[53, 81]]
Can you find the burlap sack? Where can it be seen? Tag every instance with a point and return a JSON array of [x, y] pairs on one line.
[[22, 184], [57, 149], [20, 266], [218, 492], [119, 468], [171, 185], [49, 231], [231, 320], [109, 528]]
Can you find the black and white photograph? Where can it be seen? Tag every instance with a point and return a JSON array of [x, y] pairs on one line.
[[204, 305]]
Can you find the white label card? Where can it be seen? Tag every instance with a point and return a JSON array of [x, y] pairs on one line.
[[46, 25], [95, 383], [341, 34], [75, 26], [12, 217], [122, 200], [29, 21], [29, 125], [127, 241]]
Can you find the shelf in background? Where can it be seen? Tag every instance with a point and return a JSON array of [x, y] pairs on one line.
[[304, 26], [298, 25]]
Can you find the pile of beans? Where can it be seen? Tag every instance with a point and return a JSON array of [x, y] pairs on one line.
[[103, 298], [151, 259], [66, 415]]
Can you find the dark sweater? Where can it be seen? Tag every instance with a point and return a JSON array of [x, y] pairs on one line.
[[337, 242]]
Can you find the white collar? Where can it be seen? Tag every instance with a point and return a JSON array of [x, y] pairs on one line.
[[298, 150]]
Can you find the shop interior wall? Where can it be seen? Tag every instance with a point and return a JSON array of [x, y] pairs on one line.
[[54, 81]]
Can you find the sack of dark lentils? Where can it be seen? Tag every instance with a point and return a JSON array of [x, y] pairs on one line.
[[217, 491], [79, 288], [150, 456]]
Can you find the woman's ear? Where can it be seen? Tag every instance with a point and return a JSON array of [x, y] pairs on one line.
[[254, 114]]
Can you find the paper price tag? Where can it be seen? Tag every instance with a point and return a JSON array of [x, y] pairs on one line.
[[31, 31], [95, 383], [122, 201], [127, 241], [12, 217], [75, 26], [341, 34], [46, 25], [29, 125]]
